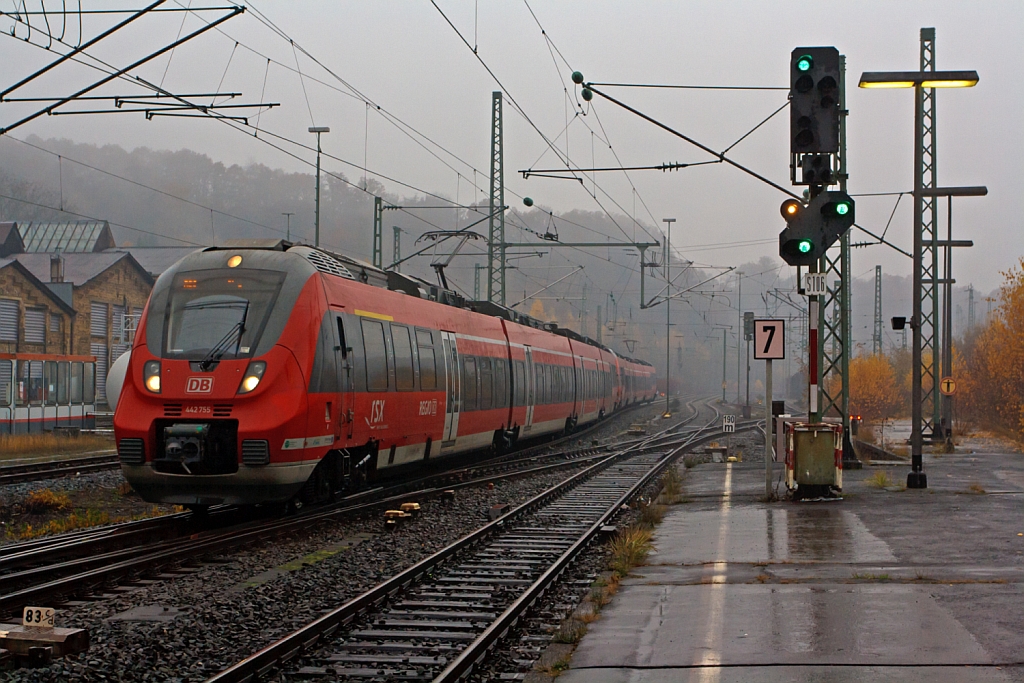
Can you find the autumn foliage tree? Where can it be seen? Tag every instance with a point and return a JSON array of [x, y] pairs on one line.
[[992, 388], [874, 392]]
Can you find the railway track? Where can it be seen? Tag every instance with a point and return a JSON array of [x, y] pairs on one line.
[[88, 561], [50, 469], [437, 619]]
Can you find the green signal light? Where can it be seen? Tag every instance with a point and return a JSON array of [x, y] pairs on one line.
[[804, 246], [804, 63], [842, 208]]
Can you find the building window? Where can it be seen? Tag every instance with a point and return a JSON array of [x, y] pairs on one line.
[[35, 325], [8, 320], [98, 319], [6, 383], [100, 384]]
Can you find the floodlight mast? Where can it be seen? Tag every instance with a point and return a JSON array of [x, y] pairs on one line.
[[920, 81]]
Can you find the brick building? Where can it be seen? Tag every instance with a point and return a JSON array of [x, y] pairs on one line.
[[33, 317], [66, 288], [107, 292]]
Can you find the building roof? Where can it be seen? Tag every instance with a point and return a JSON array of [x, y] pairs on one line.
[[155, 260], [67, 237], [78, 268], [10, 239], [36, 282]]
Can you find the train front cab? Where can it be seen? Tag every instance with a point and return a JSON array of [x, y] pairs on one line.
[[214, 405]]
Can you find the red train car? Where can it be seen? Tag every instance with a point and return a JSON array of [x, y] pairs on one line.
[[262, 374]]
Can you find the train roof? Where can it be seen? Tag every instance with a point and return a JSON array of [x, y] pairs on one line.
[[356, 269]]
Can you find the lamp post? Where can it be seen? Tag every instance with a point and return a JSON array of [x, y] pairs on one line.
[[947, 287], [918, 80], [739, 323], [668, 316], [318, 130], [288, 230]]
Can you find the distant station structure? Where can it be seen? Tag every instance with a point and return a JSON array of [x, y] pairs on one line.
[[68, 289]]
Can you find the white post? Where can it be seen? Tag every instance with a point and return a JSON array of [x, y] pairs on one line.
[[768, 429]]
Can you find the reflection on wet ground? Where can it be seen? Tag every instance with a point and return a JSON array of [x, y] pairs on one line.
[[740, 590]]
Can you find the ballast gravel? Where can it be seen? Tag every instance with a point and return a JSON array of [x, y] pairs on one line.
[[234, 606], [108, 479]]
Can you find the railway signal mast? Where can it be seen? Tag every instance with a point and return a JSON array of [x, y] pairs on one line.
[[817, 149]]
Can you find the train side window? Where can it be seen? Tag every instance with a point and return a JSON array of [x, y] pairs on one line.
[[428, 363], [469, 385], [519, 383], [76, 382], [6, 383], [35, 383], [539, 384], [376, 355], [89, 383], [62, 382], [486, 384], [50, 383], [500, 384], [21, 383], [405, 379]]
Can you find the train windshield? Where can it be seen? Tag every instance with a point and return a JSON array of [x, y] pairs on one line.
[[218, 314]]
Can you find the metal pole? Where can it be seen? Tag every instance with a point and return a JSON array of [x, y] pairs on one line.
[[916, 478], [746, 413], [316, 239], [739, 322], [288, 232], [768, 429], [397, 249], [724, 332], [947, 328], [668, 314], [378, 232]]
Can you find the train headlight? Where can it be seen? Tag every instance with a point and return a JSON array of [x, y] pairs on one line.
[[151, 375], [252, 377]]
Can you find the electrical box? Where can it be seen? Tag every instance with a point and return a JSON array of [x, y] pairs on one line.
[[814, 458]]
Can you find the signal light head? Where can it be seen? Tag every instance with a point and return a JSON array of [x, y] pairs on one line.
[[804, 246], [790, 208], [842, 208], [805, 63]]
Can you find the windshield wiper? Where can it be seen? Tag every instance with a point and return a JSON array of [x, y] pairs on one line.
[[221, 347]]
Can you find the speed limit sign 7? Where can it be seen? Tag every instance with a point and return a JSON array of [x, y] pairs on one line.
[[769, 339]]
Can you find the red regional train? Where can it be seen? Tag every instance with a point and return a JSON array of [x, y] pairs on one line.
[[267, 372]]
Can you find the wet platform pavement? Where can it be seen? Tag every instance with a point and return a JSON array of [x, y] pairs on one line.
[[884, 585]]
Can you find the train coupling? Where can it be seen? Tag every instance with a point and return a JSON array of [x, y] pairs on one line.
[[186, 443]]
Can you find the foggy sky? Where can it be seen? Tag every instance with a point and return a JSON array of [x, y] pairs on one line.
[[403, 56]]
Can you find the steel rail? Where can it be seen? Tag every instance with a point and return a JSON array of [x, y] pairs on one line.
[[285, 649], [96, 542], [124, 564], [479, 648], [17, 474]]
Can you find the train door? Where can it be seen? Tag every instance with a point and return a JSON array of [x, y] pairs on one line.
[[528, 422], [453, 396], [346, 377]]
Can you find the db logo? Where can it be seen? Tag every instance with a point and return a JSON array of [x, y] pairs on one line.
[[199, 385]]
